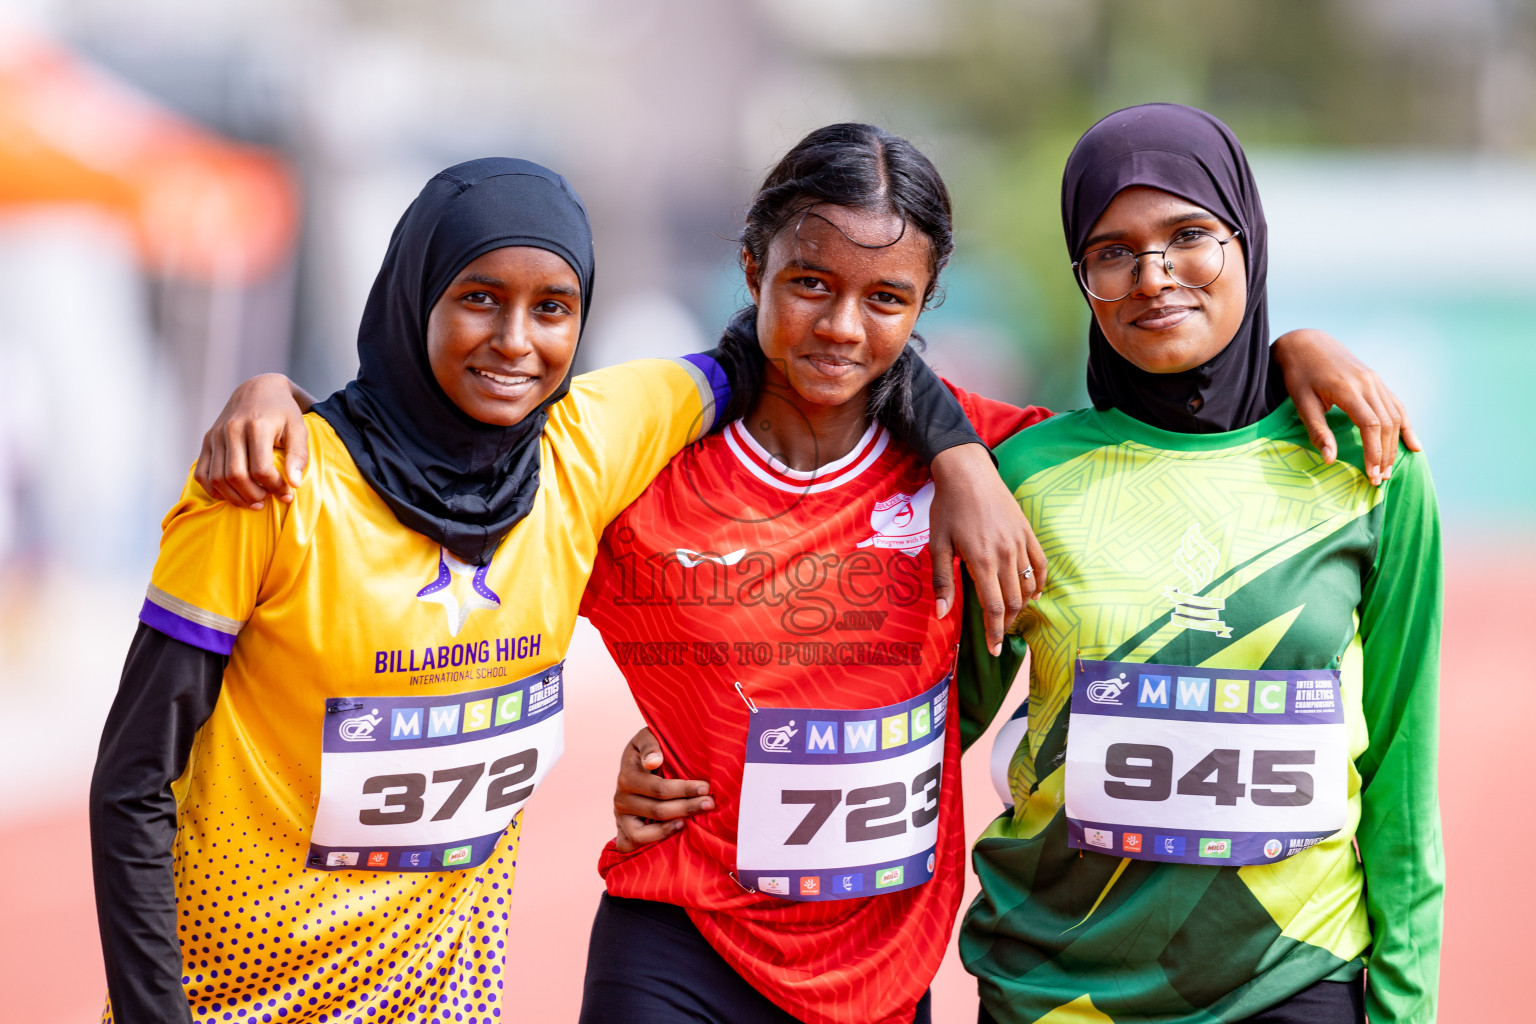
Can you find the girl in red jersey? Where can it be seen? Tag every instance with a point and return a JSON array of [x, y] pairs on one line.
[[780, 566], [789, 551]]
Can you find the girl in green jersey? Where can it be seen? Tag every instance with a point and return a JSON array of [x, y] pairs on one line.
[[1224, 802]]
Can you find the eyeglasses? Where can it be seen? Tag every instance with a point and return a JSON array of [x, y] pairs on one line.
[[1193, 259]]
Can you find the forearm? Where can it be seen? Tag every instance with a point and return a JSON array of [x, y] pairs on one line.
[[168, 690], [269, 387], [1294, 346], [963, 464], [302, 398]]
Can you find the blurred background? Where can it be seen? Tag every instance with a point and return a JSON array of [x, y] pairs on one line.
[[194, 192]]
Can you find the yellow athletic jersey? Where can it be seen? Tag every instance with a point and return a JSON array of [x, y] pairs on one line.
[[385, 695]]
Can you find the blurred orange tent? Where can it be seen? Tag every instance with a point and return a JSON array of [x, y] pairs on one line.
[[200, 207]]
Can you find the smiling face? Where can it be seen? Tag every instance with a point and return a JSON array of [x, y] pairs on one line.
[[502, 335], [832, 314], [1161, 326]]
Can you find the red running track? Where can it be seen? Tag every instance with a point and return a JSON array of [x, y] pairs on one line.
[[50, 966]]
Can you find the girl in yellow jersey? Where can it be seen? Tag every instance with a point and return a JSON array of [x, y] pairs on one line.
[[356, 691]]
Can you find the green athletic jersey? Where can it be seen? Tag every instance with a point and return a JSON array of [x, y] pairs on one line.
[[1309, 567]]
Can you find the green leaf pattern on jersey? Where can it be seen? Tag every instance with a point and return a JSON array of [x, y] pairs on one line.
[[1113, 532]]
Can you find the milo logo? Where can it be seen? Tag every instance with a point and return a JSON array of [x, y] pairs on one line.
[[1216, 848]]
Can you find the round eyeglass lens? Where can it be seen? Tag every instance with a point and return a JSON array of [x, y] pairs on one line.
[[1192, 260], [1195, 259], [1108, 274]]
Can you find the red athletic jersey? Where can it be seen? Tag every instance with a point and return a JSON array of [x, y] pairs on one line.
[[812, 590]]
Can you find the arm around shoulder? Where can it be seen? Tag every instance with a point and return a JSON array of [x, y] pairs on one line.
[[237, 463]]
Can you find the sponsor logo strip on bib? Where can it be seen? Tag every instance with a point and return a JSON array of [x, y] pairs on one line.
[[1220, 767], [837, 804], [430, 782]]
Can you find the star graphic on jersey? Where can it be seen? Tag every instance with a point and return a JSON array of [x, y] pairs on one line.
[[460, 589]]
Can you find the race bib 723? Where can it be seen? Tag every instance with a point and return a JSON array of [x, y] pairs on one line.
[[838, 804]]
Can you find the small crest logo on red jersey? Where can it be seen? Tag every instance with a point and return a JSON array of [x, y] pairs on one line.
[[900, 521]]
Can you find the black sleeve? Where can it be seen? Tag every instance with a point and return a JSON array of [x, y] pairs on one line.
[[167, 692], [938, 420]]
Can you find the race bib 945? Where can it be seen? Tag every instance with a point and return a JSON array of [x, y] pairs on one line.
[[429, 783], [1220, 767]]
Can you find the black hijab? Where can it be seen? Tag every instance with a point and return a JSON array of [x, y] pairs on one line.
[[1190, 154], [457, 480]]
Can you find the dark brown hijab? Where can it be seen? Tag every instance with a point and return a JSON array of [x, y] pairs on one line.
[[1190, 154]]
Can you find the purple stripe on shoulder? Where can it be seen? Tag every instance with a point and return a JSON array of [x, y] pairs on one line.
[[715, 374], [188, 632]]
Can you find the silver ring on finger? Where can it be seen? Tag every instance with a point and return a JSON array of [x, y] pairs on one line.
[[1027, 572]]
